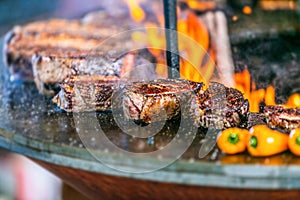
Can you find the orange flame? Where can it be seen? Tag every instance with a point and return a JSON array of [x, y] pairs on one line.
[[194, 42], [201, 5], [136, 12], [293, 101], [247, 10], [195, 48], [255, 97]]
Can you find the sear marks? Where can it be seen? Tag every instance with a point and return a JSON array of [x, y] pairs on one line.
[[49, 51], [284, 118], [86, 93], [220, 107], [158, 100]]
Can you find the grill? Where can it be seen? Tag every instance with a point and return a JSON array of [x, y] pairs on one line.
[[35, 127]]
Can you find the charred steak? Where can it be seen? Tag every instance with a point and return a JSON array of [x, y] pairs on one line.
[[220, 107], [158, 100], [284, 118], [163, 99], [49, 51], [86, 93]]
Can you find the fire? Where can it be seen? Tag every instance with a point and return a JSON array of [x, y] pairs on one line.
[[278, 5], [135, 10], [256, 96], [193, 44], [247, 10], [293, 101], [201, 5], [195, 48]]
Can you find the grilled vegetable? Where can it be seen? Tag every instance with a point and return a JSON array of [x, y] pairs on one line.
[[294, 142], [232, 140], [263, 141]]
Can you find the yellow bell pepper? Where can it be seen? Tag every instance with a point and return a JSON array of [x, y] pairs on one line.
[[294, 142], [232, 140], [264, 141]]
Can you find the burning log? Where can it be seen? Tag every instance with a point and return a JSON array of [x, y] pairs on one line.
[[217, 26]]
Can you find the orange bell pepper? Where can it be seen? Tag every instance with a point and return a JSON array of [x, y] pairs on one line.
[[232, 140], [264, 141], [294, 142]]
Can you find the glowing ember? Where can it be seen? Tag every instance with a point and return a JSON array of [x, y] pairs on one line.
[[278, 5], [235, 18], [247, 10]]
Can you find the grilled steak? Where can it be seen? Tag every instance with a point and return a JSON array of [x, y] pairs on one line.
[[49, 51], [158, 100], [220, 107], [86, 93], [280, 117]]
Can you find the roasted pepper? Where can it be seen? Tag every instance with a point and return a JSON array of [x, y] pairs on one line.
[[294, 142], [232, 140], [264, 141]]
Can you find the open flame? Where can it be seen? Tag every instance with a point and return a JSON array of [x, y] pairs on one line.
[[201, 5], [199, 64], [136, 12], [256, 96]]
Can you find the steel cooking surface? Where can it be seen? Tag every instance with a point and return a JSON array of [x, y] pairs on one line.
[[30, 124]]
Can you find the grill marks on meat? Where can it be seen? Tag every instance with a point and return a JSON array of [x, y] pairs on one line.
[[164, 99], [220, 107], [284, 118], [49, 51], [158, 100], [86, 93]]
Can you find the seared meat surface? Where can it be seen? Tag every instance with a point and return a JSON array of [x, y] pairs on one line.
[[220, 107], [158, 100], [163, 99], [49, 51], [86, 93], [280, 117]]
